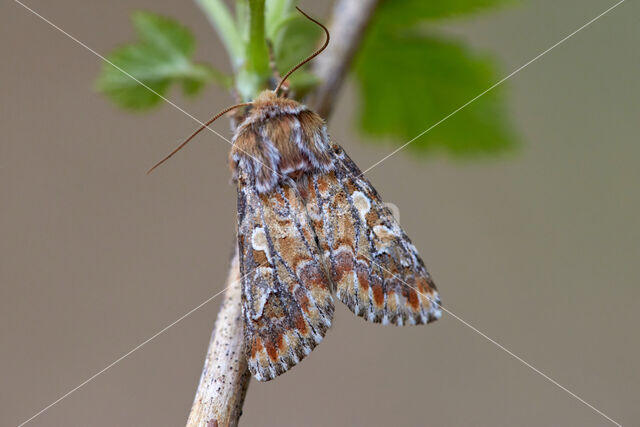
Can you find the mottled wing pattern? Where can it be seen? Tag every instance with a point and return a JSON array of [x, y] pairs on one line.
[[376, 269], [287, 302]]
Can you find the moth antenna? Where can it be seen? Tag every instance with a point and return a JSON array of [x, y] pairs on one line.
[[313, 55], [200, 129]]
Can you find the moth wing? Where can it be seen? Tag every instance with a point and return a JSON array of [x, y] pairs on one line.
[[377, 271], [287, 301]]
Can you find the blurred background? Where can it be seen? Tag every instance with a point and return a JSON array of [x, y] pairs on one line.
[[537, 247]]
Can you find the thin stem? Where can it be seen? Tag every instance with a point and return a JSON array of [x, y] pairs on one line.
[[224, 25], [350, 19], [257, 50], [255, 73]]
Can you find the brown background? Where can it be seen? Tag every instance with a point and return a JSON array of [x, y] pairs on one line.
[[539, 249]]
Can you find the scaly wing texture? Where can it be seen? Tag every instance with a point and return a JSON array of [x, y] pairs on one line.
[[287, 302], [376, 269]]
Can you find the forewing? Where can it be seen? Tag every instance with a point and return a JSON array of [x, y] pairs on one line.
[[377, 271], [287, 302]]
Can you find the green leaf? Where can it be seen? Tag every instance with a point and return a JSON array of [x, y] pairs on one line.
[[302, 82], [294, 40], [410, 81], [405, 13], [276, 12], [200, 75], [160, 57]]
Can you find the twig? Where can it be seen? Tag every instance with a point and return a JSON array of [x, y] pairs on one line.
[[225, 377], [349, 21]]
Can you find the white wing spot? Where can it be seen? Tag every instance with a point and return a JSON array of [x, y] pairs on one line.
[[385, 236], [259, 241], [361, 202], [259, 302]]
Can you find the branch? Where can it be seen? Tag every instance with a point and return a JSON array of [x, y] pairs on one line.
[[225, 376], [350, 19]]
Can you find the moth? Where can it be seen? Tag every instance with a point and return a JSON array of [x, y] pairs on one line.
[[311, 228]]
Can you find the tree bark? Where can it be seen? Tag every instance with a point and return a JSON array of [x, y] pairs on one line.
[[225, 376]]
